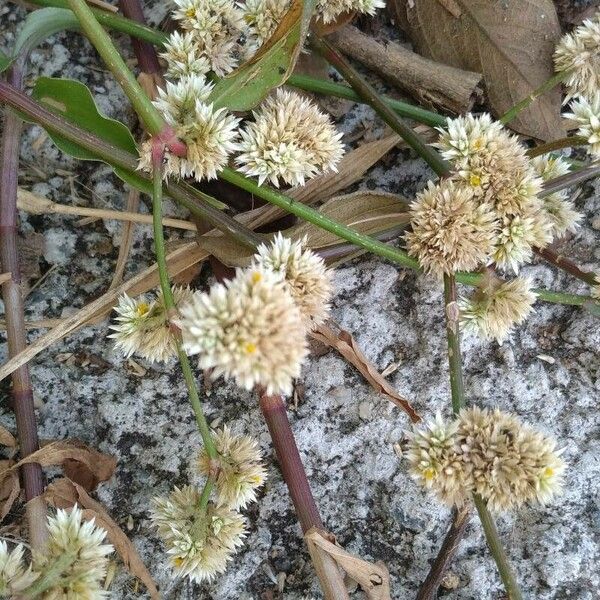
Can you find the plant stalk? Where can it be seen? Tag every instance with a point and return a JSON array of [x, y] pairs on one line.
[[566, 142], [429, 588], [165, 286], [520, 106], [493, 539], [144, 51], [368, 93], [294, 475], [457, 386], [551, 256], [12, 294], [202, 205], [570, 179]]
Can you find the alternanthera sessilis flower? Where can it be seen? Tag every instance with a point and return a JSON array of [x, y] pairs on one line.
[[248, 329], [560, 211], [199, 541], [289, 140], [450, 230], [15, 576], [304, 272], [490, 453], [183, 56], [578, 56], [240, 468], [82, 577], [586, 113], [144, 327], [497, 307]]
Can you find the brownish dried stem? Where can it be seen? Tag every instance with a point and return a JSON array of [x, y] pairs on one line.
[[430, 82], [144, 51], [294, 475], [22, 392], [429, 588], [551, 256]]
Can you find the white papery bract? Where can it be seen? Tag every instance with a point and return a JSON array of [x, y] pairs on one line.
[[14, 575], [586, 112]]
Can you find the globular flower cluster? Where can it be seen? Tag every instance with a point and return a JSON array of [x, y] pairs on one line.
[[489, 211], [577, 55], [200, 539], [496, 307], [144, 327], [288, 140], [73, 563], [489, 453]]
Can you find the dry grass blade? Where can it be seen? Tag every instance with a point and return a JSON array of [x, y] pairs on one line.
[[38, 205], [133, 202], [345, 344], [65, 494], [4, 277], [39, 324], [10, 487], [350, 169], [177, 261], [374, 579]]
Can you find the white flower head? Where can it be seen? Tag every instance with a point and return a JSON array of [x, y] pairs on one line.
[[177, 102], [578, 54], [497, 307], [14, 576], [451, 231], [560, 211], [199, 542], [307, 278], [330, 10], [586, 112], [144, 327], [183, 56], [264, 16], [290, 139], [70, 535], [217, 26], [248, 329], [240, 468]]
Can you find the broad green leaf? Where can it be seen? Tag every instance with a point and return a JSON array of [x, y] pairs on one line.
[[41, 24], [73, 101], [270, 66]]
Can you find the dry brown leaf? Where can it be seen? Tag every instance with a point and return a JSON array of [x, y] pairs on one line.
[[510, 43], [374, 579], [367, 212], [345, 344], [64, 493], [4, 277], [87, 464], [7, 438], [127, 229], [9, 487]]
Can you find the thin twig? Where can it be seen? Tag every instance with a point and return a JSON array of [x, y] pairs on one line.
[[431, 585], [22, 392], [144, 51], [551, 256], [566, 142], [570, 179]]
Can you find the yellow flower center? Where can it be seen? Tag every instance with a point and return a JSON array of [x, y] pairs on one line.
[[478, 144], [250, 347], [142, 308], [190, 13], [177, 561], [548, 472], [429, 473], [256, 277], [475, 180]]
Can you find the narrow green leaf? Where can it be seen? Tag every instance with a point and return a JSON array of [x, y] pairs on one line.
[[272, 64], [41, 24], [5, 61], [73, 101]]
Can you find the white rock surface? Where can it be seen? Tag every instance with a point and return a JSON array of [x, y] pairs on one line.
[[346, 433]]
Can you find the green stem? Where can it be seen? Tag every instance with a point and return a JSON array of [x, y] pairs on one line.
[[49, 578], [566, 142], [208, 487], [329, 88], [152, 119], [493, 540], [453, 336], [368, 93], [512, 113], [165, 286]]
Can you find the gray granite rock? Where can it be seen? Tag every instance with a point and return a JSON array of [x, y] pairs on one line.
[[548, 373]]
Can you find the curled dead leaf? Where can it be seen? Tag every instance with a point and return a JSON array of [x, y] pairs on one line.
[[345, 344], [64, 493], [7, 438], [9, 487]]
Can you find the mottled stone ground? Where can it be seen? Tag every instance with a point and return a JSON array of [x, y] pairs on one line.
[[346, 433]]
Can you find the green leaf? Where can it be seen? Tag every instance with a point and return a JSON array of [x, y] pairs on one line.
[[271, 66], [41, 24], [5, 61], [73, 100]]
